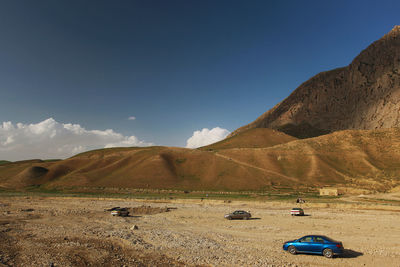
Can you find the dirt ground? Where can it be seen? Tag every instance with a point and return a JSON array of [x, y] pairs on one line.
[[37, 231]]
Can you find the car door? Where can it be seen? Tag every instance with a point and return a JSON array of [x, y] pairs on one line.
[[235, 215], [305, 244], [317, 244]]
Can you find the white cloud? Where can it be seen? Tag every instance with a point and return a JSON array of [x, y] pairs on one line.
[[51, 139], [206, 137], [132, 118]]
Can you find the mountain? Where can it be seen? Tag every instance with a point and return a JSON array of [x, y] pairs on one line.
[[355, 160], [363, 95]]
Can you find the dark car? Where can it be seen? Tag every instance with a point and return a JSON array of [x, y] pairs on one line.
[[123, 212], [238, 214], [314, 244]]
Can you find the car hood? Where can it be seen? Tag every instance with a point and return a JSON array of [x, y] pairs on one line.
[[291, 241]]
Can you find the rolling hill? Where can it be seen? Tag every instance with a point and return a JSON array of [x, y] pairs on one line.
[[252, 138], [351, 159]]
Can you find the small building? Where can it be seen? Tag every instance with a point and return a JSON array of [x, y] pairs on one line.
[[328, 191]]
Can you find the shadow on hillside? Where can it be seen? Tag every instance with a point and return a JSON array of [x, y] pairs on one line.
[[134, 216], [240, 219], [349, 253]]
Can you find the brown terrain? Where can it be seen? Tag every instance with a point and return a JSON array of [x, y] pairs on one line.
[[38, 231], [348, 124], [364, 95], [252, 138], [358, 161]]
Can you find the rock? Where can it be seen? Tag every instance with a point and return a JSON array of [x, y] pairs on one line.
[[364, 95], [27, 210], [134, 227]]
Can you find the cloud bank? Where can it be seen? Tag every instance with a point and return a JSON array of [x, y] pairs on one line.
[[51, 139], [206, 137]]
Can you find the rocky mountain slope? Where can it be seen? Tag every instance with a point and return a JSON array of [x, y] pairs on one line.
[[363, 95]]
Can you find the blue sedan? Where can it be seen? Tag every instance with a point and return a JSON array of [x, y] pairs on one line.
[[314, 244]]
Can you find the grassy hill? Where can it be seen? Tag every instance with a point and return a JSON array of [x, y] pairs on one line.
[[354, 160]]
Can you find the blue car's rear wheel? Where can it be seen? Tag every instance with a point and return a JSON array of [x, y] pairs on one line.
[[328, 253], [292, 250]]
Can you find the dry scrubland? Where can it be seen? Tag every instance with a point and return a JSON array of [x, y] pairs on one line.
[[38, 231]]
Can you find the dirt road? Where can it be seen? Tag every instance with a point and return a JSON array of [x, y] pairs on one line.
[[78, 232]]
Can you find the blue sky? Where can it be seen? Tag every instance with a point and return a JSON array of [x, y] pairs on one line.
[[177, 66]]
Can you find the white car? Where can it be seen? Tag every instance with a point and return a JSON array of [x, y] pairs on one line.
[[297, 212], [120, 212]]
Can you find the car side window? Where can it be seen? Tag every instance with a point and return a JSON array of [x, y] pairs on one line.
[[318, 239], [306, 239]]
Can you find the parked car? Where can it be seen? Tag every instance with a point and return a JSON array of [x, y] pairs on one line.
[[297, 212], [238, 214], [123, 212], [314, 244]]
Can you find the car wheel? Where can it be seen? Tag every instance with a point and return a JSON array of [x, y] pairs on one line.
[[229, 218], [292, 250], [246, 218], [328, 253]]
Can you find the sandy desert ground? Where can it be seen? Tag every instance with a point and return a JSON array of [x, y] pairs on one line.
[[38, 231]]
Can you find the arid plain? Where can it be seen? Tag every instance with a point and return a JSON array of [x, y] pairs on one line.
[[59, 231]]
